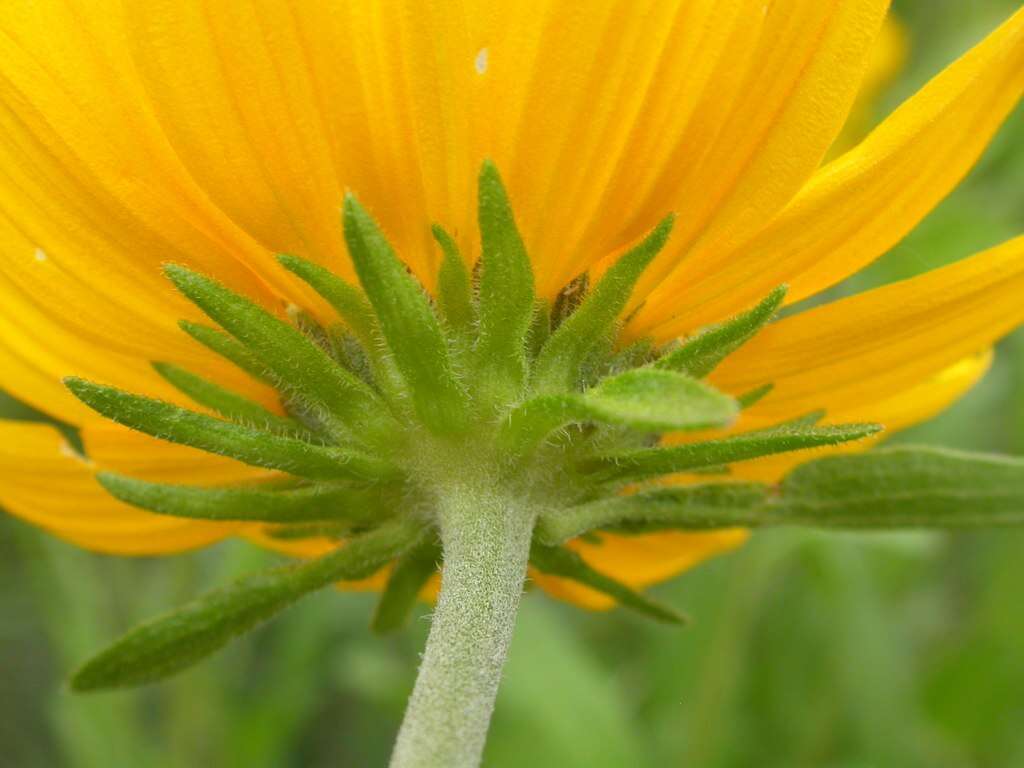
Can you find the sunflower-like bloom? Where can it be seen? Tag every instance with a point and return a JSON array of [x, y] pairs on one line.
[[216, 135]]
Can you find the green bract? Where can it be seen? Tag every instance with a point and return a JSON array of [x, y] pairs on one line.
[[407, 419]]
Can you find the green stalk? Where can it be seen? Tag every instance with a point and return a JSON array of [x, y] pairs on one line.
[[486, 540]]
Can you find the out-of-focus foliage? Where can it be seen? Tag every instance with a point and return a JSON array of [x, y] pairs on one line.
[[807, 649]]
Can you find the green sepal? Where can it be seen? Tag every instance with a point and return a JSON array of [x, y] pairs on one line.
[[454, 284], [408, 323], [408, 577], [357, 313], [904, 487], [653, 462], [228, 348], [347, 300], [649, 399], [895, 488], [561, 359], [690, 507], [558, 561], [540, 328], [301, 367], [754, 396], [506, 297], [257, 503], [177, 640], [644, 399], [228, 404], [250, 446], [701, 354]]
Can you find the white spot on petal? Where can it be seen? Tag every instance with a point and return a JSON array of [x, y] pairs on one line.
[[480, 63], [40, 255]]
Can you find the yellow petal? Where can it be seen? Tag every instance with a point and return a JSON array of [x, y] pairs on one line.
[[119, 449], [638, 561], [43, 481], [897, 411], [276, 108], [887, 60], [859, 350], [93, 199], [860, 205]]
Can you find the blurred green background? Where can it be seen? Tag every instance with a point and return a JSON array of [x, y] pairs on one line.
[[807, 650]]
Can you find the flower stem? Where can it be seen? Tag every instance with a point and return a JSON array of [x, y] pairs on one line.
[[486, 540]]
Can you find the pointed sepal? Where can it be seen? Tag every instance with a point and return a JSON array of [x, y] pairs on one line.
[[561, 359], [643, 399], [410, 574], [408, 323], [567, 564], [700, 355], [454, 285], [228, 404], [265, 503], [178, 640], [298, 364], [647, 463], [230, 349], [206, 433], [687, 507], [506, 294]]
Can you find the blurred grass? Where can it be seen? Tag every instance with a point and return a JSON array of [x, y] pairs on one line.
[[808, 650]]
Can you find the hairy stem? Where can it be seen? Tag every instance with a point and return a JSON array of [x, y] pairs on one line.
[[486, 540]]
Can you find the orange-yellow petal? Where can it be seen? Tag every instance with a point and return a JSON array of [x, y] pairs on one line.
[[118, 449], [860, 350], [638, 561], [92, 200], [861, 204], [276, 108], [44, 481], [888, 57], [897, 411]]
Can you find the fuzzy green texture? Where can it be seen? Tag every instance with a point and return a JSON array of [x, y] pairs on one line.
[[496, 426], [272, 503], [486, 535], [166, 645]]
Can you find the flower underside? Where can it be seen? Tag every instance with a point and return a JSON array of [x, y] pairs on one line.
[[408, 397]]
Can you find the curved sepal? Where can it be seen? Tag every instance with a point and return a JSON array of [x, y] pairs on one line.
[[167, 645]]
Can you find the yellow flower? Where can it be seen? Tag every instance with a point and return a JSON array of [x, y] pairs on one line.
[[217, 134]]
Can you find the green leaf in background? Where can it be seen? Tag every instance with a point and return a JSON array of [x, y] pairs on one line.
[[906, 487], [699, 355], [169, 644], [898, 488]]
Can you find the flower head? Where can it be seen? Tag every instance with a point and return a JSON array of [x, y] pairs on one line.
[[216, 136]]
